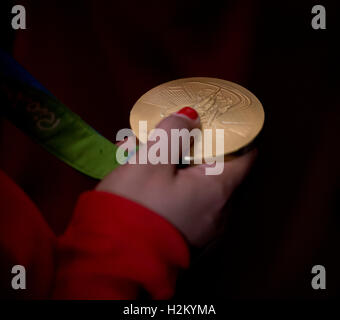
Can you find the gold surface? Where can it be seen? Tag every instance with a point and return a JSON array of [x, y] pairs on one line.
[[220, 104]]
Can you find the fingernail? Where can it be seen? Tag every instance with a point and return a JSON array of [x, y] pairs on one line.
[[188, 112]]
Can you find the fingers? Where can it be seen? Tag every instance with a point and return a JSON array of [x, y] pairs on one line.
[[236, 170], [232, 175], [170, 138]]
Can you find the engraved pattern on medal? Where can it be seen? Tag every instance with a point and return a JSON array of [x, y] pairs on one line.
[[212, 102]]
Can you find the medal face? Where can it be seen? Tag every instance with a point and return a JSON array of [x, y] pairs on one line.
[[220, 104]]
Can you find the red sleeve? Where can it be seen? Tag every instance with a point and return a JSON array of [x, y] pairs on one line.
[[114, 247], [25, 239]]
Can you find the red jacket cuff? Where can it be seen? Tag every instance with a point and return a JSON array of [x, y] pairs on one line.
[[114, 247]]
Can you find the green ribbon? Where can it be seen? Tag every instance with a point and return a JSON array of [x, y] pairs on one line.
[[57, 129]]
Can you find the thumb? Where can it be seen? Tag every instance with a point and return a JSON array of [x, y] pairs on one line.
[[177, 139]]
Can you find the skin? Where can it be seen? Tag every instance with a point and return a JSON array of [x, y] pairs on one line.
[[187, 198]]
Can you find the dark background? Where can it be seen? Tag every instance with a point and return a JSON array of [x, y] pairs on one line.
[[99, 57]]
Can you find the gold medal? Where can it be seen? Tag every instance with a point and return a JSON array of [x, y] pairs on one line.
[[220, 104]]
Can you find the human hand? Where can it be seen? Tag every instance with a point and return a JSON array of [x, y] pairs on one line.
[[187, 198]]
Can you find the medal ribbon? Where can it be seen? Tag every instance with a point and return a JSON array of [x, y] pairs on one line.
[[34, 110]]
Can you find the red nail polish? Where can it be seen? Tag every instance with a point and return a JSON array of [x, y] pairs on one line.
[[188, 112]]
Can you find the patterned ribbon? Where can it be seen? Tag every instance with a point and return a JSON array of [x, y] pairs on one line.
[[34, 110]]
